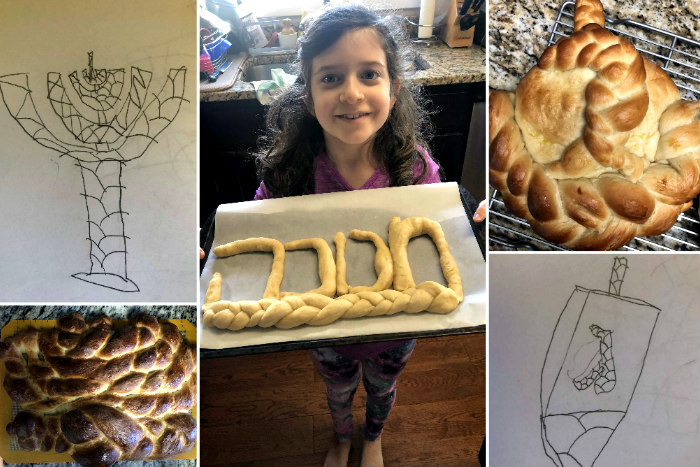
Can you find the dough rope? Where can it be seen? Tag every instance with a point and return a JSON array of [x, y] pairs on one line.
[[383, 265], [400, 232], [259, 244], [326, 264], [341, 282], [317, 309], [102, 395], [595, 146]]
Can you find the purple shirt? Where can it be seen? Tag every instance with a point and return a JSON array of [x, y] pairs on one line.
[[328, 180]]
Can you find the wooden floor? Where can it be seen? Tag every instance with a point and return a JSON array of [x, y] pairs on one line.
[[270, 409]]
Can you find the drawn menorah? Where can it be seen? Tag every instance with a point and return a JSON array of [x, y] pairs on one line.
[[109, 126]]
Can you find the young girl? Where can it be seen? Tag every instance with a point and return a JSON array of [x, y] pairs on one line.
[[350, 122]]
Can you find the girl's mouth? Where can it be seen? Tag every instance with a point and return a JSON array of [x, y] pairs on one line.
[[354, 116]]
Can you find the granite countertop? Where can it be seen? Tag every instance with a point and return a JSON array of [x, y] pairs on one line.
[[447, 66], [189, 313], [8, 313], [519, 30]]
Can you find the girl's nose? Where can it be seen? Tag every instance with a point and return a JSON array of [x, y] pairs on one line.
[[351, 92]]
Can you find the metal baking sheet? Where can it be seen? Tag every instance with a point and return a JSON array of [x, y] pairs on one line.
[[286, 219]]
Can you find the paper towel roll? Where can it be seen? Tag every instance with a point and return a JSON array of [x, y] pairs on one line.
[[427, 15]]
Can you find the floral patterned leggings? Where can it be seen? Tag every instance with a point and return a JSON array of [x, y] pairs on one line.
[[379, 375]]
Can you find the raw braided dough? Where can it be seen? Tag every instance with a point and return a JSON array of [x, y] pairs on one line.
[[316, 309], [102, 395], [595, 146]]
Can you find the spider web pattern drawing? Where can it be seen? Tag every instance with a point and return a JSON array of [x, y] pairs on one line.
[[101, 88], [106, 136], [105, 217], [572, 435], [93, 126], [602, 372]]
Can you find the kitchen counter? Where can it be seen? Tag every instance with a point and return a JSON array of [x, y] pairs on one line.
[[519, 30], [447, 66], [189, 313]]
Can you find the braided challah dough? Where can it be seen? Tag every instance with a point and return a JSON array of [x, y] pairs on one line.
[[595, 146], [102, 394], [291, 310]]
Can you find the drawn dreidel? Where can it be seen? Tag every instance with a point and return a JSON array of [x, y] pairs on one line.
[[106, 128], [591, 369]]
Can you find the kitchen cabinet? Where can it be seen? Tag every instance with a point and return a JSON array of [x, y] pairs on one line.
[[229, 132]]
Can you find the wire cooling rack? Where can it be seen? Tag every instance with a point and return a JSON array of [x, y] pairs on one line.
[[680, 57]]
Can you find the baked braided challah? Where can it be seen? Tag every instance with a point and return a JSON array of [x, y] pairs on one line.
[[102, 394], [595, 146]]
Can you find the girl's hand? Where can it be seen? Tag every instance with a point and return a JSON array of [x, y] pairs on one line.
[[480, 213], [201, 253]]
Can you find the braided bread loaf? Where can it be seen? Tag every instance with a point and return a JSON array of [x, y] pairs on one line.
[[102, 395], [595, 146], [287, 310]]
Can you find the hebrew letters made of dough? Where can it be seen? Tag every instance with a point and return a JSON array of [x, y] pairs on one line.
[[320, 306]]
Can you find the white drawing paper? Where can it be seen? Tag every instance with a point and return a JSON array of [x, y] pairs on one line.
[[593, 360], [98, 179]]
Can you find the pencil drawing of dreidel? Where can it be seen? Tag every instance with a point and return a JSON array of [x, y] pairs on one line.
[[108, 124], [591, 369]]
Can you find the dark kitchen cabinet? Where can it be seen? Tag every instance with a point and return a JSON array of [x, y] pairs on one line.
[[229, 131]]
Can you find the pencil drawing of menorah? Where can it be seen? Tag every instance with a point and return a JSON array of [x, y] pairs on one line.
[[108, 125]]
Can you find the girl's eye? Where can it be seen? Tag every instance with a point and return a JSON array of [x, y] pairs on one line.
[[330, 79], [370, 74]]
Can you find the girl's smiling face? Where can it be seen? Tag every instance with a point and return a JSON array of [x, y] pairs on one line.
[[351, 89]]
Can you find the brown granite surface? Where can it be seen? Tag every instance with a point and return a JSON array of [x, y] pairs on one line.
[[519, 29], [446, 66]]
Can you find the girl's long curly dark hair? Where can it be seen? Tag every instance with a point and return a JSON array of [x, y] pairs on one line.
[[294, 136]]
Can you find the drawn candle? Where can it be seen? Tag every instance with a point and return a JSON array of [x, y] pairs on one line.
[[109, 127], [591, 369]]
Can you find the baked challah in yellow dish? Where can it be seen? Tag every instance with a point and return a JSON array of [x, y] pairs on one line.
[[101, 393], [595, 146]]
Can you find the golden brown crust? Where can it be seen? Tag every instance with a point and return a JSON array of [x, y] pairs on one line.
[[101, 397], [595, 146], [588, 12]]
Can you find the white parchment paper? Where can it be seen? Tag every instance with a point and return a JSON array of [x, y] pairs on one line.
[[286, 219], [529, 293], [44, 228]]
